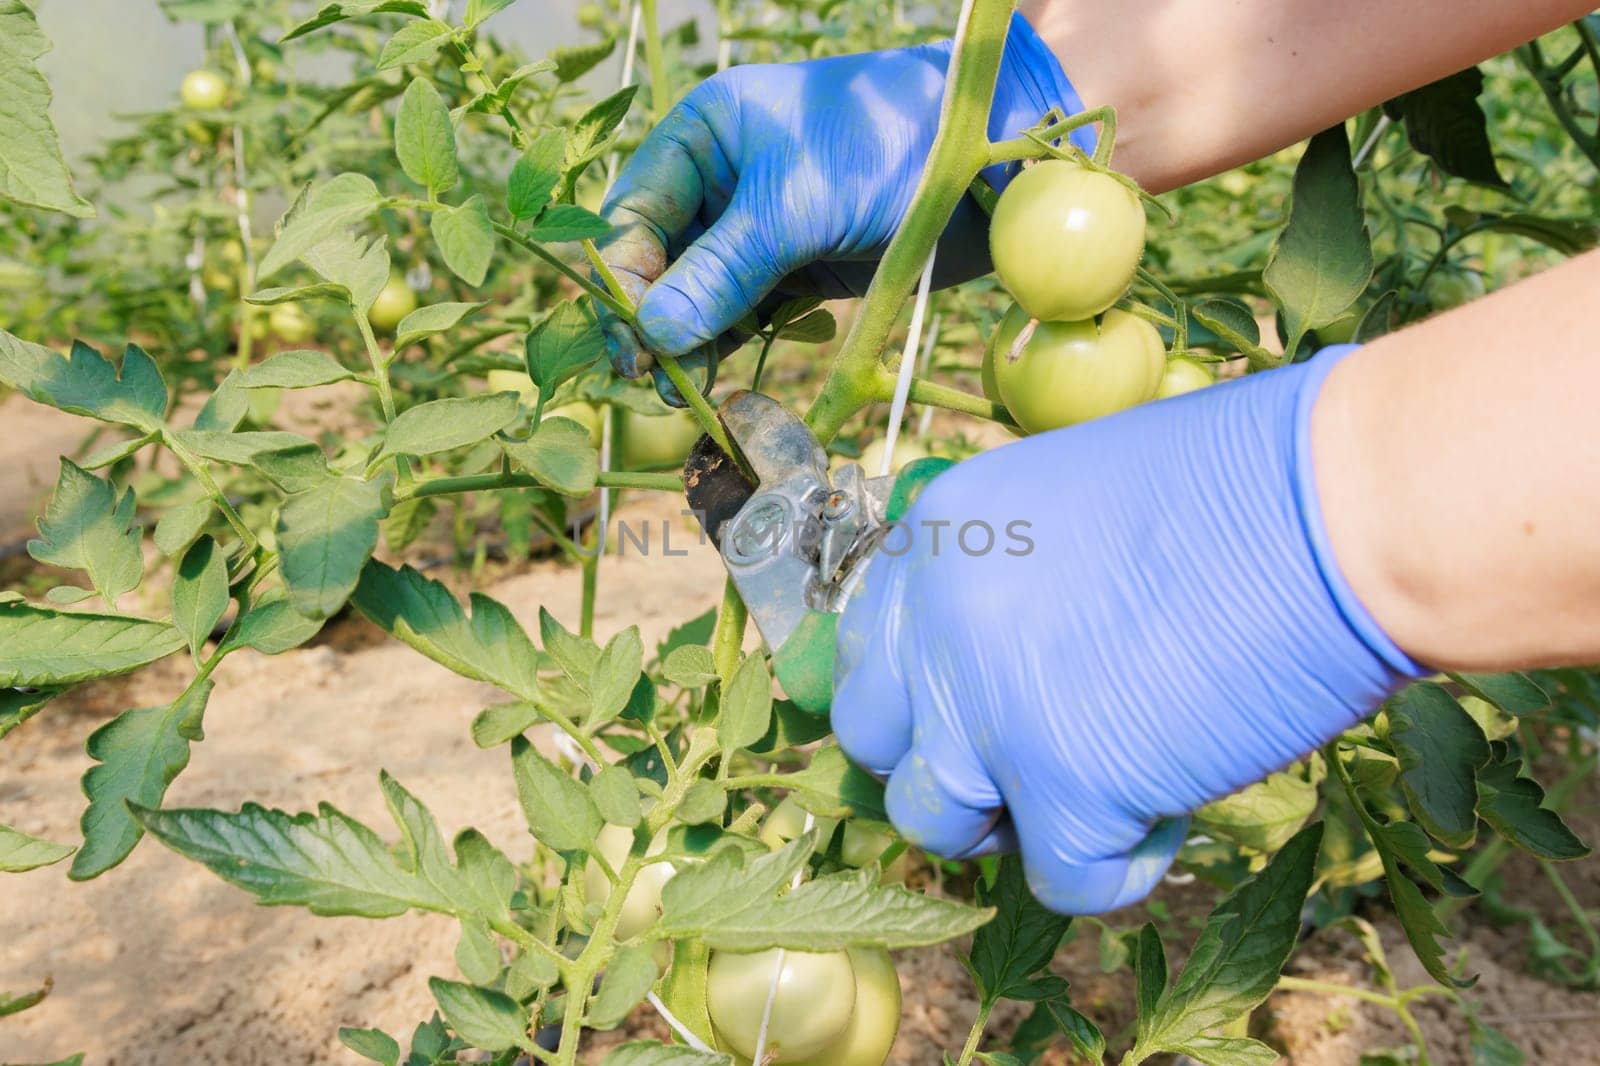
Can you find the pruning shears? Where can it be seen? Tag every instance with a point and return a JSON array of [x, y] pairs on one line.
[[796, 539]]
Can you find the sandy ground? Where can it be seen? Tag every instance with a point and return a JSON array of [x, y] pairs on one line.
[[160, 962]]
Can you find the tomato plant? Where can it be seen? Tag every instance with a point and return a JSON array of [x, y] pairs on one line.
[[432, 278]]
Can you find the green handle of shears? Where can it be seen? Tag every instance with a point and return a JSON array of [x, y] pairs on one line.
[[804, 662]]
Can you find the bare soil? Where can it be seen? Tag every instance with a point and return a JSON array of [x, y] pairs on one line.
[[160, 962]]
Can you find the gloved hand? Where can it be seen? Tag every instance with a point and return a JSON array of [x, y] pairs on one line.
[[1175, 629], [790, 180]]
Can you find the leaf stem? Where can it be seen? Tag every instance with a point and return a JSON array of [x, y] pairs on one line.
[[196, 466], [975, 1034], [616, 479], [656, 60], [932, 394], [728, 638]]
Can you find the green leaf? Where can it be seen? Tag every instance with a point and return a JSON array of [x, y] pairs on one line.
[[33, 171], [561, 455], [1235, 963], [291, 462], [86, 383], [465, 237], [690, 666], [574, 61], [182, 526], [640, 1053], [560, 812], [746, 706], [1264, 815], [87, 526], [200, 593], [10, 1004], [415, 42], [568, 222], [484, 1018], [704, 801], [497, 724], [818, 327], [17, 705], [425, 138], [575, 655], [40, 647], [115, 452], [1151, 976], [372, 1044], [615, 674], [1231, 321], [1085, 1036], [563, 345], [325, 536], [302, 368], [407, 520], [479, 10], [1444, 122], [626, 982], [318, 213], [138, 754], [330, 14], [427, 321], [1514, 693], [19, 851], [358, 266], [334, 865], [1228, 1051], [477, 955], [593, 135], [615, 796], [271, 627], [1019, 942], [683, 990], [490, 645], [529, 972], [739, 905], [226, 407], [1321, 262], [1514, 806], [834, 787], [442, 425], [1441, 749], [535, 175], [293, 294]]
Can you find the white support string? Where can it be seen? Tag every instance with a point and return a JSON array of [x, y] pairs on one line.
[[683, 1032], [925, 421], [1372, 141], [908, 366], [628, 58], [777, 965]]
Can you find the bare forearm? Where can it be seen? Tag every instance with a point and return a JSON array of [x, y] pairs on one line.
[[1458, 463], [1204, 85]]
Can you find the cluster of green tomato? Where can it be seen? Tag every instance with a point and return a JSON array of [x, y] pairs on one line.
[[1066, 242], [837, 1008]]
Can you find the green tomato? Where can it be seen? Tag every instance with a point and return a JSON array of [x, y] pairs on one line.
[[203, 90], [812, 1009], [1184, 375], [642, 908], [863, 846], [1449, 287], [876, 1020], [395, 301], [787, 822], [512, 381], [652, 442], [906, 451], [1066, 240], [1236, 182], [290, 324], [1000, 345], [591, 16], [1071, 372]]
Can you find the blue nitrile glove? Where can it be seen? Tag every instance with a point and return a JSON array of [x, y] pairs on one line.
[[790, 179], [1174, 628]]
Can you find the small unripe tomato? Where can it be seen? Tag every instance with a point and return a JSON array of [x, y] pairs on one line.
[[290, 324], [1184, 375], [1236, 182], [864, 845], [812, 1009], [394, 302], [591, 16], [265, 70], [651, 442], [787, 822], [1071, 372], [1448, 288], [906, 451], [1066, 240], [512, 381], [203, 90], [643, 906], [873, 1026]]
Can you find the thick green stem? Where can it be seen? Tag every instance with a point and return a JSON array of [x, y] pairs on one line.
[[960, 151], [728, 639], [932, 394], [975, 1035], [656, 59]]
